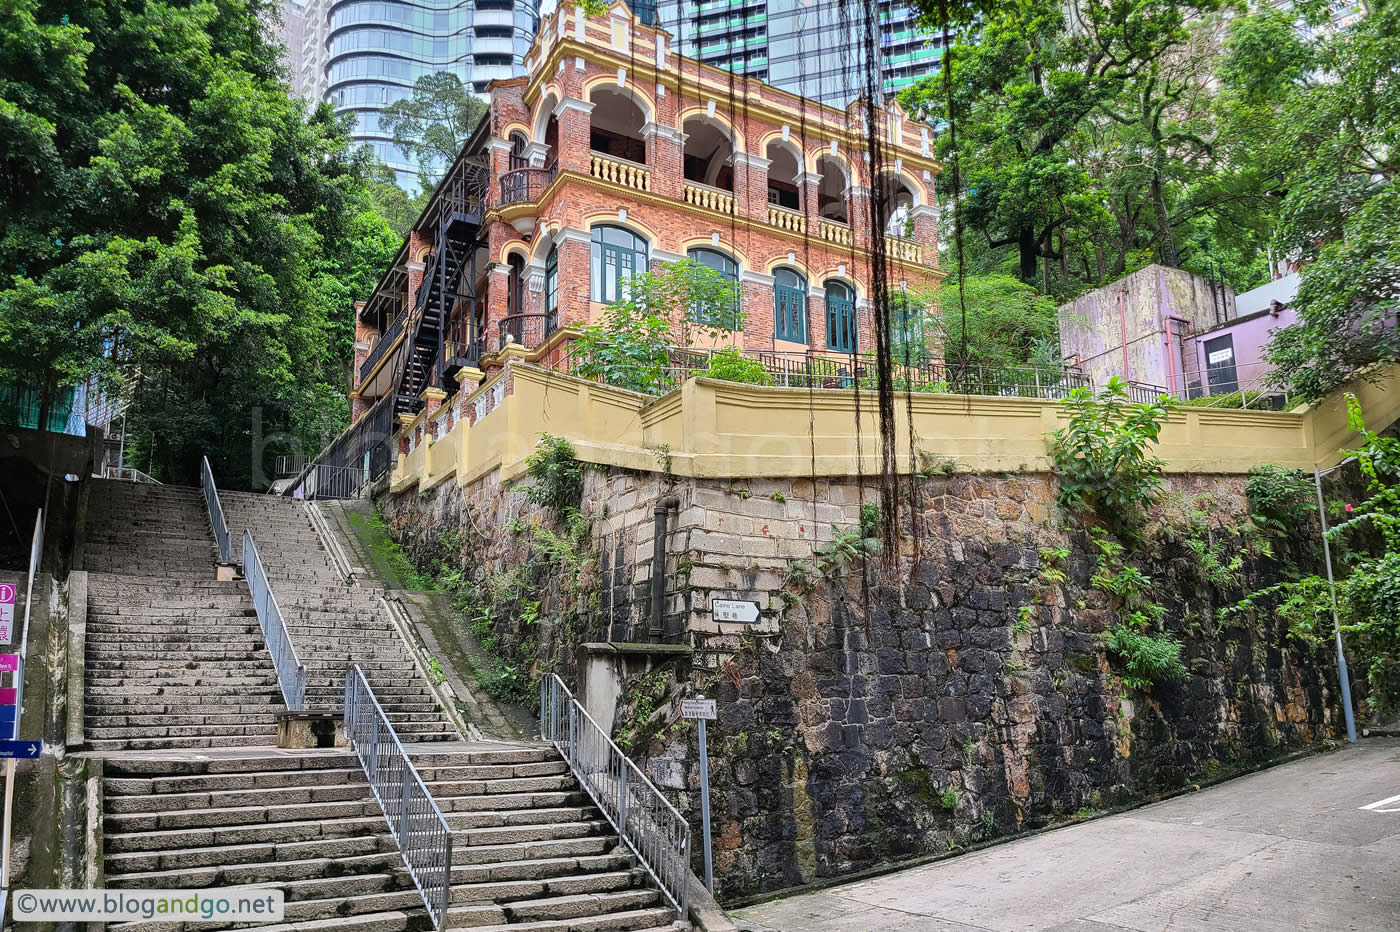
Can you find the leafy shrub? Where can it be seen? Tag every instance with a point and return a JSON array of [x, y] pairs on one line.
[[1280, 497], [1101, 456], [557, 475], [730, 365], [1148, 658]]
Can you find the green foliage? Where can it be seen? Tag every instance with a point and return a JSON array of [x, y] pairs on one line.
[[871, 519], [433, 122], [1228, 400], [630, 345], [1280, 498], [172, 214], [1148, 658], [730, 365], [848, 547], [1101, 456], [1335, 142], [1085, 142], [1304, 606], [949, 799], [557, 475], [1008, 323]]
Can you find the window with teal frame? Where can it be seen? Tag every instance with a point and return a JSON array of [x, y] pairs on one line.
[[724, 318], [789, 306], [551, 291], [840, 317], [615, 256]]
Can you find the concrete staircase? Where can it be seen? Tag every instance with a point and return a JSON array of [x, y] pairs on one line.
[[530, 853], [332, 623], [174, 659]]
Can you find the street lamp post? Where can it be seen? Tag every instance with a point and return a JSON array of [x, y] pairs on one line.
[[1332, 592]]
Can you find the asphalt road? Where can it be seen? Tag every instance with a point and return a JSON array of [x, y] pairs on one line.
[[1310, 845]]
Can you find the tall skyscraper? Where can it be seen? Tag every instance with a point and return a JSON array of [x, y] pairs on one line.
[[364, 55], [809, 47]]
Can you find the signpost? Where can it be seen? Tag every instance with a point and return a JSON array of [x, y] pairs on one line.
[[744, 611], [703, 710], [26, 749], [7, 613]]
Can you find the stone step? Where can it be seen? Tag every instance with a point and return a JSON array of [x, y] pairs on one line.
[[168, 744], [640, 920]]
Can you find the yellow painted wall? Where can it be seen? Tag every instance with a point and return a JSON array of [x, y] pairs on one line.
[[726, 430]]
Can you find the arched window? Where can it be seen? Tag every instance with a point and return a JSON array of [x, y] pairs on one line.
[[717, 316], [551, 291], [517, 151], [789, 306], [615, 256], [840, 317]]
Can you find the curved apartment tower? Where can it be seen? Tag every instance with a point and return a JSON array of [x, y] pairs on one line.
[[363, 55]]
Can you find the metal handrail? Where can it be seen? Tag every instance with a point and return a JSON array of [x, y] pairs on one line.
[[36, 557], [291, 672], [385, 341], [649, 825], [130, 473], [216, 512], [422, 834]]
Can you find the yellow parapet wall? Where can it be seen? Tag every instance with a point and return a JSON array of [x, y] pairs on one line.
[[716, 429]]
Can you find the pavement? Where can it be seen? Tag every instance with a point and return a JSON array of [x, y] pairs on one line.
[[1313, 844]]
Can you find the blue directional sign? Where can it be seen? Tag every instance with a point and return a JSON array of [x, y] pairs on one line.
[[21, 748]]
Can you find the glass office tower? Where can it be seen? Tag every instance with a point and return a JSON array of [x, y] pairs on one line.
[[363, 55], [813, 48]]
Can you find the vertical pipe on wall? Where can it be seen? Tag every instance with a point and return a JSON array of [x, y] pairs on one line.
[[1123, 325], [658, 566]]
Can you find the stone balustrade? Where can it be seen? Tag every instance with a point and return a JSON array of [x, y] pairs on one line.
[[785, 219], [702, 195], [904, 250], [619, 172], [834, 232]]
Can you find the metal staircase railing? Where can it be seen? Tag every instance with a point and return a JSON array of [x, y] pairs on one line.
[[422, 834], [216, 512], [291, 672], [649, 825]]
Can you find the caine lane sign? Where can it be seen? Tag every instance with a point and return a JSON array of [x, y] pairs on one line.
[[744, 611]]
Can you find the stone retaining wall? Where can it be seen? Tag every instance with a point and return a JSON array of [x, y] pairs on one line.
[[885, 713]]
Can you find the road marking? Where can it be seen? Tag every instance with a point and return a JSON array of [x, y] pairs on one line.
[[1376, 806]]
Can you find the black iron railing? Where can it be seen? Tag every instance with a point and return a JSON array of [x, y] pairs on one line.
[[382, 345], [525, 185], [527, 330]]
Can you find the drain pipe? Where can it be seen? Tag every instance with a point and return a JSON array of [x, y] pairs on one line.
[[658, 564]]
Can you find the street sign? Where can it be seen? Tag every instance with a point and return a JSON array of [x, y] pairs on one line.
[[30, 749], [9, 696], [698, 708], [744, 611], [9, 663], [7, 613]]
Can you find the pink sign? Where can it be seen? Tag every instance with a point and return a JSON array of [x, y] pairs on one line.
[[7, 613], [9, 696], [9, 663]]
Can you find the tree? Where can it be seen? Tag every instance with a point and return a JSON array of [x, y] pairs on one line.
[[1025, 81], [1340, 217], [630, 345], [432, 123], [171, 214], [1008, 323]]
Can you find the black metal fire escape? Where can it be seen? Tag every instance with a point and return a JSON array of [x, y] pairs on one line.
[[450, 277]]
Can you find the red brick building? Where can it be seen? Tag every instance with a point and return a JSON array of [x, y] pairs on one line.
[[615, 155]]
